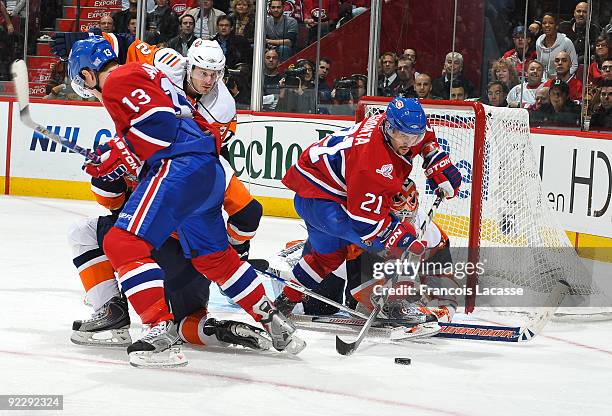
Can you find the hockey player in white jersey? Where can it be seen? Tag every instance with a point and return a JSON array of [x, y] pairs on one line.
[[204, 83]]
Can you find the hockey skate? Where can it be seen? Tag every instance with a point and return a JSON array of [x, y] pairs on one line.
[[108, 326], [278, 327], [238, 333], [158, 348]]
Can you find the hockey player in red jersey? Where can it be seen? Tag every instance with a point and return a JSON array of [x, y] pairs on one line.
[[345, 183], [180, 188]]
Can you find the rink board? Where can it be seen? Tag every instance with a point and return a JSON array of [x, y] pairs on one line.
[[575, 166]]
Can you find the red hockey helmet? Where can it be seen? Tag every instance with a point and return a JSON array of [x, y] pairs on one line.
[[405, 203]]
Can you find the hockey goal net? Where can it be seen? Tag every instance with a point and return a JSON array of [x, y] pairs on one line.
[[501, 217]]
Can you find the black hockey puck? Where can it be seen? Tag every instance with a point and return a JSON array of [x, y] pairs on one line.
[[403, 361]]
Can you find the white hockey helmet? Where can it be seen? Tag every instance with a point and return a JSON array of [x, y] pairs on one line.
[[206, 54], [172, 64]]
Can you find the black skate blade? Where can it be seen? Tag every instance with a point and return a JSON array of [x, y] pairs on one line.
[[344, 348], [259, 264]]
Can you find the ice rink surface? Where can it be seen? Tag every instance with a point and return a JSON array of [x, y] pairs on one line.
[[565, 371]]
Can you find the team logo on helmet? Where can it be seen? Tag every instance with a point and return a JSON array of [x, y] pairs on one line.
[[386, 170], [399, 104]]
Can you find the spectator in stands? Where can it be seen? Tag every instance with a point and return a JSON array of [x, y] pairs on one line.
[[503, 70], [388, 82], [457, 91], [206, 19], [561, 109], [186, 37], [6, 42], [361, 85], [281, 30], [405, 74], [422, 87], [238, 81], [575, 30], [324, 88], [562, 68], [237, 49], [602, 117], [132, 27], [324, 12], [606, 70], [541, 99], [550, 44], [162, 23], [412, 55], [523, 43], [497, 92], [271, 79], [297, 94], [107, 24], [56, 85], [530, 87], [244, 19], [122, 18], [602, 52], [453, 64]]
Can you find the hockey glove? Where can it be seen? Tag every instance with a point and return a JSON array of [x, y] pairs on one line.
[[116, 160], [442, 175], [61, 42], [401, 236]]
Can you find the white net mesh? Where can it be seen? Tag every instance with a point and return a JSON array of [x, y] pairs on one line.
[[518, 236]]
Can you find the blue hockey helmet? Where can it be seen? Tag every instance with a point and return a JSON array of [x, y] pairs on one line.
[[91, 53], [407, 116]]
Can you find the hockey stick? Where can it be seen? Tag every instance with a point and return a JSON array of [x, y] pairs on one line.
[[347, 348], [310, 293], [19, 71], [401, 324]]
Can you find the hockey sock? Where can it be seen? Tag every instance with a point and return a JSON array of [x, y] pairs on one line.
[[142, 281], [97, 276], [237, 279], [140, 277], [191, 329]]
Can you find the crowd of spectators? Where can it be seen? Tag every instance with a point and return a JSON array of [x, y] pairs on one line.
[[540, 70]]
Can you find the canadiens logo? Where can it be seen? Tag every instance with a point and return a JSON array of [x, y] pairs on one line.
[[399, 104], [386, 170]]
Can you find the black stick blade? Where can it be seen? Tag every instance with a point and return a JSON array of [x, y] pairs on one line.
[[344, 348]]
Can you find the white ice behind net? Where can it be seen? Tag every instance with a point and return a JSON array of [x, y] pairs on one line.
[[514, 214]]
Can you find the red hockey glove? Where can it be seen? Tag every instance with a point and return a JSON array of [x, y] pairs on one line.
[[442, 175], [116, 160], [402, 235]]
